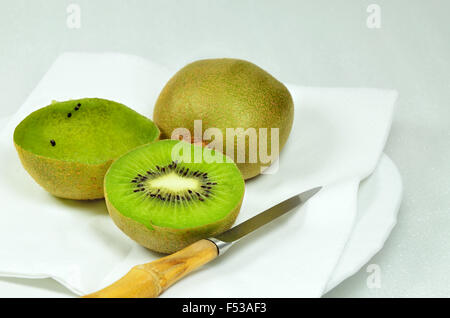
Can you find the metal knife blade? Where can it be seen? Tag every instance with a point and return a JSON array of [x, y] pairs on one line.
[[225, 239]]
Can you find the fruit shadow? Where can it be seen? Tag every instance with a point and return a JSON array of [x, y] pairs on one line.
[[98, 224], [93, 207]]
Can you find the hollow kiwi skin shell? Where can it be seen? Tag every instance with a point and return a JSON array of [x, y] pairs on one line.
[[68, 180], [225, 93], [169, 240]]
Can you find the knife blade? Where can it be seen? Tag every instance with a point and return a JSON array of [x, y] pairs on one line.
[[151, 279], [224, 240]]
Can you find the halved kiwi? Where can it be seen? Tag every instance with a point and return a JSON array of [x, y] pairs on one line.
[[68, 146], [165, 204]]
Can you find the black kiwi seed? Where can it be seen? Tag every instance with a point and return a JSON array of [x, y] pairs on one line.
[[69, 115], [53, 143], [78, 104]]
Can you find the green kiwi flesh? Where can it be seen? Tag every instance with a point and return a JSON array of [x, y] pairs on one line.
[[166, 204], [68, 146]]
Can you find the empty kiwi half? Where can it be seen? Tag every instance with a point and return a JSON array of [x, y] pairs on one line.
[[165, 204], [68, 146]]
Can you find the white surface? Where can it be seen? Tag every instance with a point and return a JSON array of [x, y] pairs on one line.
[[312, 43], [380, 193], [342, 131]]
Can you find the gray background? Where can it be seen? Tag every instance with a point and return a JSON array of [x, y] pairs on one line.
[[313, 43]]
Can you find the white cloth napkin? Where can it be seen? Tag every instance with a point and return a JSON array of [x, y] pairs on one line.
[[337, 138]]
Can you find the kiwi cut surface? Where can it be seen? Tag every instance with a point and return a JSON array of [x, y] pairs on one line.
[[68, 146], [165, 204], [226, 93]]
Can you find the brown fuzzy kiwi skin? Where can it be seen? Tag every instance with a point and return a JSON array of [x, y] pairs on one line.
[[63, 179], [225, 93], [66, 179], [169, 240]]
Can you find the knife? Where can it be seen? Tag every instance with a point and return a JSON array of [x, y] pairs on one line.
[[151, 279]]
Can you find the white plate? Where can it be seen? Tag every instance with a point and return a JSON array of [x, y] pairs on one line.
[[379, 200]]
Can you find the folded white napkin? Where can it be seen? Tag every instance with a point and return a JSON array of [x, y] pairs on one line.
[[337, 139]]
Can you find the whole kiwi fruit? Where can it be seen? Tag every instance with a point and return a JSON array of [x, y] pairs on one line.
[[165, 203], [67, 147], [227, 93]]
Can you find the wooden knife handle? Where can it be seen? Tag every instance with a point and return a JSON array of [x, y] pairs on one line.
[[151, 279]]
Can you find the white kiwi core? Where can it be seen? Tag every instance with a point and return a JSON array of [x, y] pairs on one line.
[[173, 182]]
